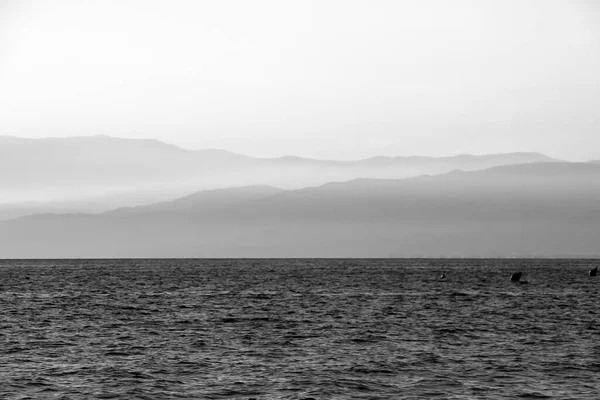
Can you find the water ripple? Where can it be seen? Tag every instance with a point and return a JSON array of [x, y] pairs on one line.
[[298, 329]]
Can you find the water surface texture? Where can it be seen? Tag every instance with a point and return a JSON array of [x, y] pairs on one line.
[[299, 329]]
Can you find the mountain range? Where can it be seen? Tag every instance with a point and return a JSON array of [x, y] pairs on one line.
[[99, 173], [547, 209]]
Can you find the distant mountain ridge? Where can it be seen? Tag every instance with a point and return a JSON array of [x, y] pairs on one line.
[[204, 201], [542, 210], [512, 158], [77, 144], [92, 169]]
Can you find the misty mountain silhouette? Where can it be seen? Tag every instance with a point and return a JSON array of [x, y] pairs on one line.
[[106, 158], [103, 172], [542, 209], [204, 201], [461, 161], [100, 159]]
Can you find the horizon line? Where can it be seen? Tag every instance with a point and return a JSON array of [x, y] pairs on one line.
[[455, 155]]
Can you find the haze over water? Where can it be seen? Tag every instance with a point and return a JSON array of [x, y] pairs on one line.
[[136, 131], [299, 329]]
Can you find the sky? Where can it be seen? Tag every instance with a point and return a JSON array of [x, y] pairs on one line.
[[340, 79]]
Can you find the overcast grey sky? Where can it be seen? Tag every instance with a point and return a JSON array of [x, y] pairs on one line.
[[324, 78]]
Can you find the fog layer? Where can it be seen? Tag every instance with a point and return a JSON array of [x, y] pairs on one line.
[[540, 209]]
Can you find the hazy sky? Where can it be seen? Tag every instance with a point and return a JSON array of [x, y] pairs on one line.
[[325, 78]]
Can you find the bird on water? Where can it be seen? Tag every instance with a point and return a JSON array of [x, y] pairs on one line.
[[593, 271]]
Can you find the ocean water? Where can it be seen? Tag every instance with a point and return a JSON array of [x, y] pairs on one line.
[[299, 329]]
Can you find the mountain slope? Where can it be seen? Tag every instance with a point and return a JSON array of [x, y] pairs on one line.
[[81, 166], [546, 209], [204, 201]]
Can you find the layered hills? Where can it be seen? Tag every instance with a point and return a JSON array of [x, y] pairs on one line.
[[99, 173], [549, 209]]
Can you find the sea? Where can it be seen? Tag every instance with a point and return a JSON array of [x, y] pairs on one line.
[[299, 329]]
